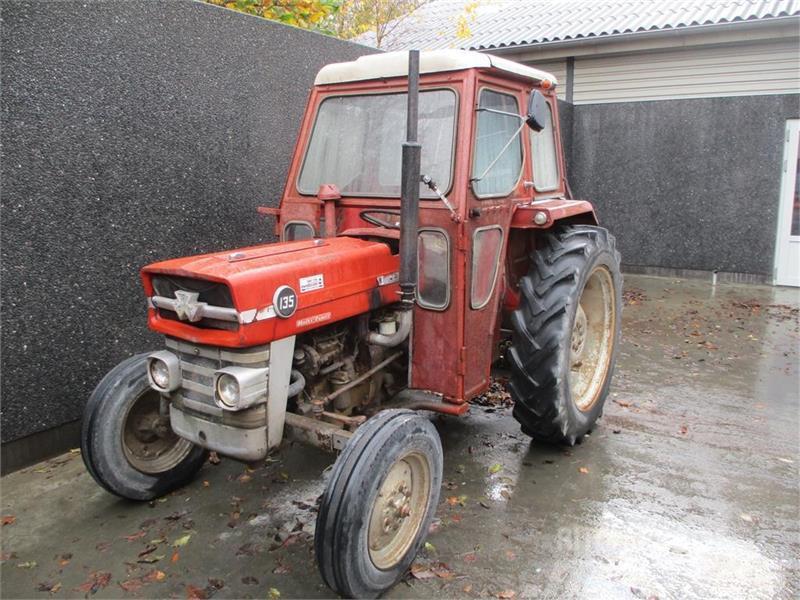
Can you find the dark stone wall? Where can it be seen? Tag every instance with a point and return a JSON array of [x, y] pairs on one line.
[[131, 132], [685, 184]]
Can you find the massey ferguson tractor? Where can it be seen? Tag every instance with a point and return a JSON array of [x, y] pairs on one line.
[[427, 237]]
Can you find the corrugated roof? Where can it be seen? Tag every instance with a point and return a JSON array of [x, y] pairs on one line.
[[486, 24]]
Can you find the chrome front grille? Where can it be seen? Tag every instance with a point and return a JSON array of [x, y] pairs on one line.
[[198, 363]]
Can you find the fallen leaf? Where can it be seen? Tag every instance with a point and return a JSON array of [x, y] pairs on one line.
[[103, 546], [442, 571], [213, 458], [175, 557], [467, 588], [281, 569], [150, 559], [248, 580], [9, 520], [584, 470], [510, 555], [430, 547], [28, 564], [495, 468], [746, 517], [470, 558], [131, 585], [182, 541], [64, 559], [49, 587], [274, 593], [506, 594], [155, 575], [97, 581], [135, 536], [485, 505], [419, 571], [195, 593], [244, 478]]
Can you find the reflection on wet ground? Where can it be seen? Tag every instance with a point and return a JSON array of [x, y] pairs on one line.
[[688, 488]]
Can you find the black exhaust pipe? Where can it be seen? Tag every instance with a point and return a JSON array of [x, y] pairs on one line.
[[409, 189]]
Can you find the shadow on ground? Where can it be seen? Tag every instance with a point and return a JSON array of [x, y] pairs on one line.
[[688, 488]]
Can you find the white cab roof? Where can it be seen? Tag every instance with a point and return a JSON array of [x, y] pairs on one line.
[[395, 64]]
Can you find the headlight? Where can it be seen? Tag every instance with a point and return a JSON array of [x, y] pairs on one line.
[[159, 372], [239, 388], [228, 390], [163, 371]]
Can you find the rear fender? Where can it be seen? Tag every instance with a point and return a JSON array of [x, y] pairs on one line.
[[555, 210]]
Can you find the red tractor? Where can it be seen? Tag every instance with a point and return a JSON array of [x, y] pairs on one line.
[[405, 272]]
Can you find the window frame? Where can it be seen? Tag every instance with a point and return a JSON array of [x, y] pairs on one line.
[[449, 258], [477, 230], [556, 151], [297, 222], [505, 92], [422, 90]]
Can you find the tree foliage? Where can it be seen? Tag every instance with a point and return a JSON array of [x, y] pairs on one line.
[[342, 18], [381, 17], [308, 14]]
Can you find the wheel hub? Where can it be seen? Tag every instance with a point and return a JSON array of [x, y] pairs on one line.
[[592, 340], [150, 446], [578, 341], [398, 510]]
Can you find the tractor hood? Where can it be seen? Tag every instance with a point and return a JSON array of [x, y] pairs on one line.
[[255, 295]]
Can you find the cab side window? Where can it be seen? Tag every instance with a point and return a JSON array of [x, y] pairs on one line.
[[545, 160], [492, 136]]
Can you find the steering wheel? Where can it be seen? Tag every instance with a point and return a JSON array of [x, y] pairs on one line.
[[390, 219]]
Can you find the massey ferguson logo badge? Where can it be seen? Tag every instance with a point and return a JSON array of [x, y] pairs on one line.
[[187, 307]]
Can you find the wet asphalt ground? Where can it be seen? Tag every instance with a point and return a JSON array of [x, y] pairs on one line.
[[688, 488]]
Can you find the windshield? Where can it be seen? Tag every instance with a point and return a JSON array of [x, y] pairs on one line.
[[356, 143]]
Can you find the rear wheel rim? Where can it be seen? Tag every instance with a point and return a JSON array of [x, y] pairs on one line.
[[399, 510], [592, 340], [150, 446]]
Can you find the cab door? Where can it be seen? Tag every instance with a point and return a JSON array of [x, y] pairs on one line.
[[496, 185]]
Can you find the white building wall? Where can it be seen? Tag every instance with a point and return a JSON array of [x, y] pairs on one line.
[[746, 69]]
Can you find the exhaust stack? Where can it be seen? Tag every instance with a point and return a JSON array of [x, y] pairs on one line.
[[409, 189]]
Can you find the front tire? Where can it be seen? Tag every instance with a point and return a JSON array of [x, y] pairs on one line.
[[125, 448], [566, 333], [378, 504]]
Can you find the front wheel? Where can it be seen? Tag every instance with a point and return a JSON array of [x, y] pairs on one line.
[[566, 333], [378, 504], [126, 446]]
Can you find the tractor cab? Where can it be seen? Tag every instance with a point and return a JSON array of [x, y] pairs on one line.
[[490, 151]]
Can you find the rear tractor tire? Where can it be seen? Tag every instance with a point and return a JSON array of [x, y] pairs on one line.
[[566, 334], [126, 448], [378, 504]]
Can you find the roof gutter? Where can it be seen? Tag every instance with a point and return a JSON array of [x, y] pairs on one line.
[[598, 40]]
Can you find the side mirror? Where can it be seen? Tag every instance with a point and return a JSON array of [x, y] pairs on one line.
[[538, 114]]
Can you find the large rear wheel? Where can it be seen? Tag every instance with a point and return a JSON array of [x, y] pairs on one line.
[[126, 445], [566, 333], [378, 504]]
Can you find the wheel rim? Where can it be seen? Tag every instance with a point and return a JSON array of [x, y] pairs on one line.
[[399, 510], [147, 441], [592, 339]]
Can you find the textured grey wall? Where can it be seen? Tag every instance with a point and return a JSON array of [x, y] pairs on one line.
[[685, 184], [131, 131]]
